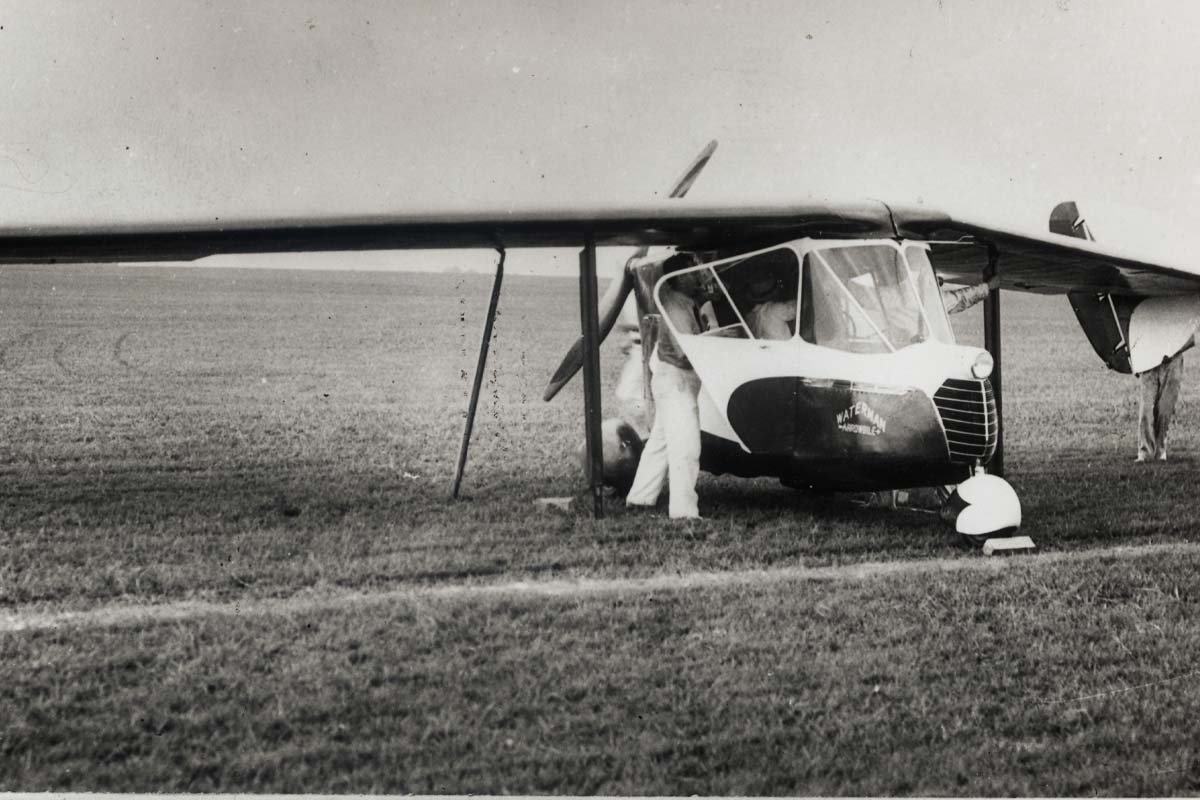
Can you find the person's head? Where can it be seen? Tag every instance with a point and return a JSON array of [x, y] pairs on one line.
[[692, 283], [679, 261], [766, 284], [622, 449]]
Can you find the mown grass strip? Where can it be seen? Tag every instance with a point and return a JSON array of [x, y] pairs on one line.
[[309, 601]]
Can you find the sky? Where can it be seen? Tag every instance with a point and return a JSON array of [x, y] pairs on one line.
[[136, 110]]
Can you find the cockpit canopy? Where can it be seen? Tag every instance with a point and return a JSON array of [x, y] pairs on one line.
[[860, 297]]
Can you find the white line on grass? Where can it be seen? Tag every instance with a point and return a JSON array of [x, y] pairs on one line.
[[319, 600]]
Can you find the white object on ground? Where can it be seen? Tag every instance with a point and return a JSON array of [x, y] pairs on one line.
[[991, 506], [1008, 544]]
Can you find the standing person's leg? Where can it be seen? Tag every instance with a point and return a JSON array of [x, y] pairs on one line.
[[652, 468], [1167, 397], [1147, 400], [683, 441], [631, 394]]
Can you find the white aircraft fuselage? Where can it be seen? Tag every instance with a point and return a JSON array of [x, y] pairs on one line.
[[864, 388]]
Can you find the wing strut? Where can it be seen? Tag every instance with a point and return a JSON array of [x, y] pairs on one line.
[[991, 342], [590, 322], [480, 366]]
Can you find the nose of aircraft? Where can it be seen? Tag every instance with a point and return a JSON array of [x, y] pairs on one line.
[[817, 420]]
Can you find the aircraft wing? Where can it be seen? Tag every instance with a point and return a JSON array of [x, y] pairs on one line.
[[673, 222], [1045, 263]]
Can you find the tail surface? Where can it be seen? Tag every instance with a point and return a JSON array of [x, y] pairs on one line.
[[1103, 317], [1065, 220]]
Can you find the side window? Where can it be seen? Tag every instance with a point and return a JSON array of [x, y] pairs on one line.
[[691, 301], [758, 294]]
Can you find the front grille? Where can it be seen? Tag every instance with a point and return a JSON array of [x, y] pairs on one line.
[[968, 412]]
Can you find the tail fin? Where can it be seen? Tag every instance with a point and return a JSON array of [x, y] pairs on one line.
[[1066, 221]]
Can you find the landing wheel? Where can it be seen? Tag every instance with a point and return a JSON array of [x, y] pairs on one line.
[[983, 507]]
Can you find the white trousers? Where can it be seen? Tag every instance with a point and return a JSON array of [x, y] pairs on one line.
[[631, 394], [1156, 406], [673, 450]]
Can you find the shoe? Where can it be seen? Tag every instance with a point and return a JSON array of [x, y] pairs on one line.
[[1162, 456], [1141, 459]]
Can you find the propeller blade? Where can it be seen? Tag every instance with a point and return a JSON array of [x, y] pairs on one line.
[[571, 363], [691, 173], [610, 310], [681, 188], [618, 291]]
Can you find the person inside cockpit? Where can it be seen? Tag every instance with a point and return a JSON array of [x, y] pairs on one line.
[[772, 313]]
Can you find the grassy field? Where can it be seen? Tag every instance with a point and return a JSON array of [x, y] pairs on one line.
[[174, 436]]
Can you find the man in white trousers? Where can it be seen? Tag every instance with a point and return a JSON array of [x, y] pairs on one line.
[[673, 450], [1156, 406]]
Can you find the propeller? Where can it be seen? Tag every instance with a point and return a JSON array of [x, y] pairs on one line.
[[691, 173], [618, 290]]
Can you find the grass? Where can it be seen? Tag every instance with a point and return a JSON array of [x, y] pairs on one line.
[[1039, 680], [228, 434]]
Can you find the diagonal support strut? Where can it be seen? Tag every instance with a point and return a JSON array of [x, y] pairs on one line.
[[480, 367]]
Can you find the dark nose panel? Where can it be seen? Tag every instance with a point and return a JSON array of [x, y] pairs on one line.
[[821, 420]]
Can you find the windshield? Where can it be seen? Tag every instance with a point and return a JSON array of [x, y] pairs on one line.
[[866, 299]]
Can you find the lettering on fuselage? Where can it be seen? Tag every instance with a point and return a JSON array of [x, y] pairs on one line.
[[861, 419]]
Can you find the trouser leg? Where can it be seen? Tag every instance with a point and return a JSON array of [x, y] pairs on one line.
[[1147, 401], [631, 395], [1164, 409], [675, 399], [652, 468]]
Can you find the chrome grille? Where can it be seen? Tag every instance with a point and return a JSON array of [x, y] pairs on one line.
[[968, 412]]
